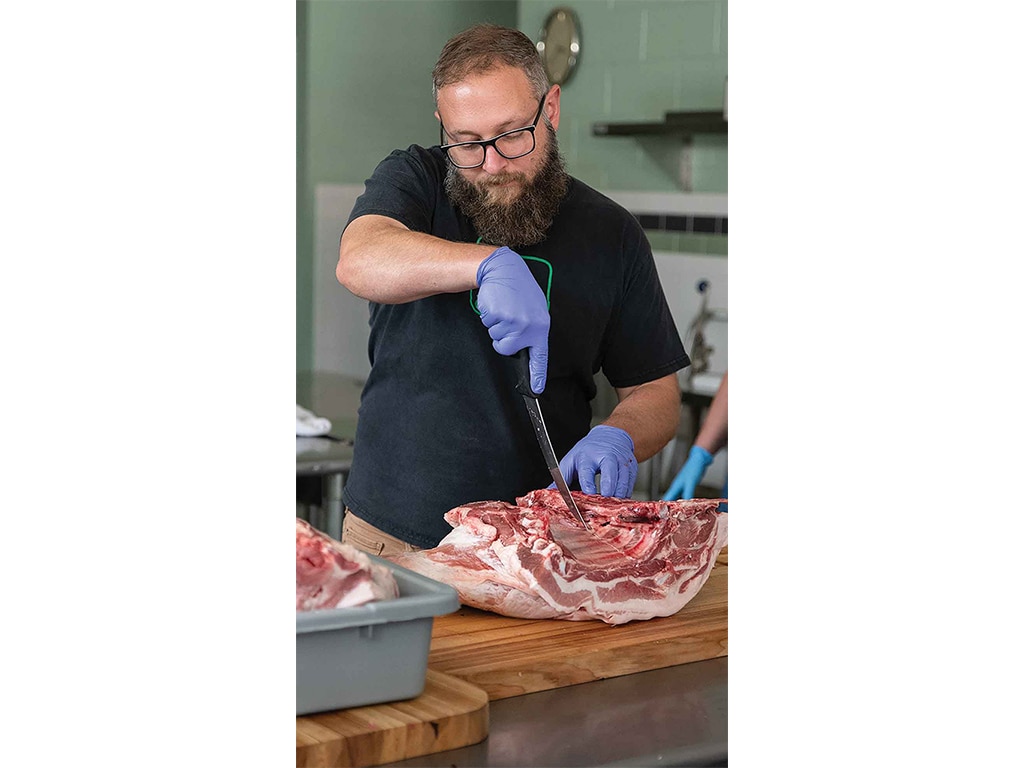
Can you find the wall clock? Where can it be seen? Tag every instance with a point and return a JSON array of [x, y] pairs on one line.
[[559, 45]]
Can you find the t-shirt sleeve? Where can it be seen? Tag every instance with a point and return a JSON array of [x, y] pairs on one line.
[[642, 341], [401, 187]]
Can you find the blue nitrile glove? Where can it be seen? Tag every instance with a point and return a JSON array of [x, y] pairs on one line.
[[515, 310], [691, 473], [604, 449]]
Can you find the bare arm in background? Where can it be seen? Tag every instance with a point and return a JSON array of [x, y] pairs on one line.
[[382, 260], [711, 438], [714, 432]]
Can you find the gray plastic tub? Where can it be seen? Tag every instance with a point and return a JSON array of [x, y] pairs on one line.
[[374, 653]]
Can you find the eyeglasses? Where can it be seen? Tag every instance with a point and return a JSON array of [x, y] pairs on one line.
[[510, 145]]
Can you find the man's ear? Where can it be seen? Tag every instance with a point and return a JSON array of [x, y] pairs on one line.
[[553, 105]]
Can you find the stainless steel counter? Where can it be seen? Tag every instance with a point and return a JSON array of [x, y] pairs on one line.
[[676, 716]]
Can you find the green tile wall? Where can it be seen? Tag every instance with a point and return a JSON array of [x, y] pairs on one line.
[[641, 59], [686, 242], [363, 89]]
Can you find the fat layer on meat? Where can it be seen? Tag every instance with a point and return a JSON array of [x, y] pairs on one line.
[[535, 560]]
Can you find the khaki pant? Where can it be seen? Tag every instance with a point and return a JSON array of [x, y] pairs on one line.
[[361, 535]]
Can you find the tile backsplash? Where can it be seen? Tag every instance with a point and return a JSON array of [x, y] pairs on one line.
[[641, 59], [666, 222], [683, 222]]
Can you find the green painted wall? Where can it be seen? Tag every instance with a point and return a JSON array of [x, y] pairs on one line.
[[303, 196], [639, 60], [364, 89]]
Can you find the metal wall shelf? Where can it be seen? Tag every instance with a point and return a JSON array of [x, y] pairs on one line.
[[685, 123]]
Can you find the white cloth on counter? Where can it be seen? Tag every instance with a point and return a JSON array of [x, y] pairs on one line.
[[308, 424]]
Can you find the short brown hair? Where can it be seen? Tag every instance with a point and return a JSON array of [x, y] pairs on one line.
[[483, 47]]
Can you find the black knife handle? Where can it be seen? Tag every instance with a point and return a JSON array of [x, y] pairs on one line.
[[522, 359]]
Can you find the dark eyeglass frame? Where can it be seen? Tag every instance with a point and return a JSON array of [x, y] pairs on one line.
[[485, 143]]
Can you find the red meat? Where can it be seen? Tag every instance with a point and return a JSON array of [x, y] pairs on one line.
[[534, 560], [329, 574]]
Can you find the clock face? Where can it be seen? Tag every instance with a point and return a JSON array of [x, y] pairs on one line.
[[559, 45]]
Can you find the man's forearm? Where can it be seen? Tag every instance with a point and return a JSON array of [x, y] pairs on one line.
[[383, 261], [649, 413]]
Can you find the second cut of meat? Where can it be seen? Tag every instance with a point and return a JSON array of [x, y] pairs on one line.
[[329, 574]]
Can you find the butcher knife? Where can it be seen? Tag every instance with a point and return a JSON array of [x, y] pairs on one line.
[[537, 417]]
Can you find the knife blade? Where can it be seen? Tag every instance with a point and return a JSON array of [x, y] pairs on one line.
[[522, 359]]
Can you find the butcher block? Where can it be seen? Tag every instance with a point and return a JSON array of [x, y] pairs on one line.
[[448, 714], [476, 657], [511, 657]]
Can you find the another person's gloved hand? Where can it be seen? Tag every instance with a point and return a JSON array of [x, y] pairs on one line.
[[691, 473], [515, 310], [604, 449]]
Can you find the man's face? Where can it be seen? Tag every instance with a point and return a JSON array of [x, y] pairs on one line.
[[485, 105], [510, 202]]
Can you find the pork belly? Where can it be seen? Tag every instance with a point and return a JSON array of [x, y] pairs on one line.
[[533, 559]]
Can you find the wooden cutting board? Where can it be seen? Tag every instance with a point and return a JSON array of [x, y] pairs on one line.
[[510, 657], [450, 713]]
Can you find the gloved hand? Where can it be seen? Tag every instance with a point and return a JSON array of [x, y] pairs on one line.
[[691, 473], [604, 449], [515, 310]]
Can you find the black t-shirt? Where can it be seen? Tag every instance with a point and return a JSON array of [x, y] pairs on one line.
[[440, 422]]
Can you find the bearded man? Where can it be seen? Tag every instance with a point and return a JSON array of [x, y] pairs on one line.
[[469, 252]]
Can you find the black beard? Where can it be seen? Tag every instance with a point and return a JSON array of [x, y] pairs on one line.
[[524, 221]]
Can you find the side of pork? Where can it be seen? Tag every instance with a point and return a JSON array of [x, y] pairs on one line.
[[329, 574], [533, 560]]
